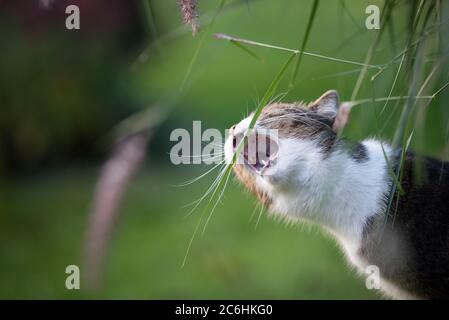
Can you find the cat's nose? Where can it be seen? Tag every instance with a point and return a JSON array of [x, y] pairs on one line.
[[234, 138]]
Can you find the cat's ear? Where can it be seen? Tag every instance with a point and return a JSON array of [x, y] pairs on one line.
[[342, 117], [327, 105]]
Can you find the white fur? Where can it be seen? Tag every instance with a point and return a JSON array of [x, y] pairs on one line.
[[336, 192]]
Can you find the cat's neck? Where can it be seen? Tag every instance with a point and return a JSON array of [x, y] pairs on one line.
[[350, 186]]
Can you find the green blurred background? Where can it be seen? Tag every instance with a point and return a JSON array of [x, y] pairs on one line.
[[62, 94]]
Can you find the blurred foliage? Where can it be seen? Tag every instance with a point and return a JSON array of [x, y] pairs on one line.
[[60, 90], [44, 229]]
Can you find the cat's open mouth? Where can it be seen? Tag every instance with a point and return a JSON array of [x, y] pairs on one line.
[[260, 151]]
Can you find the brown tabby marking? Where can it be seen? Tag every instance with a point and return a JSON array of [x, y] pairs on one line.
[[299, 121]]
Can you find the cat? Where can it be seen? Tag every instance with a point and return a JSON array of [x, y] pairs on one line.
[[347, 187]]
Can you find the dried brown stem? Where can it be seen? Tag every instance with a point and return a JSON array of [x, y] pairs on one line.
[[189, 13]]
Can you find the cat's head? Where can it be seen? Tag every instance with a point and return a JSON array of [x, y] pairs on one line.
[[297, 139]]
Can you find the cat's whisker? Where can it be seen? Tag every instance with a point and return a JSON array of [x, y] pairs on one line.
[[213, 184], [191, 241], [189, 182], [254, 211], [260, 215], [218, 179], [277, 97], [228, 172], [197, 202]]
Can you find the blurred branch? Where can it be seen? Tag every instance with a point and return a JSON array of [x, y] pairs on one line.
[[126, 157], [46, 3]]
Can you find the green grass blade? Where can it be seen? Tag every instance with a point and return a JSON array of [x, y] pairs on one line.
[[223, 36], [394, 83], [440, 90], [270, 91], [248, 51], [200, 44], [386, 15], [355, 23], [395, 98], [149, 15], [391, 172], [304, 41], [263, 102]]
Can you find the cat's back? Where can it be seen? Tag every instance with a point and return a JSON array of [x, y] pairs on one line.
[[411, 246]]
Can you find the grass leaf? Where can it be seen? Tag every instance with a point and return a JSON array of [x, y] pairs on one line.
[[223, 36], [149, 15], [200, 44], [248, 51], [393, 175], [304, 41]]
